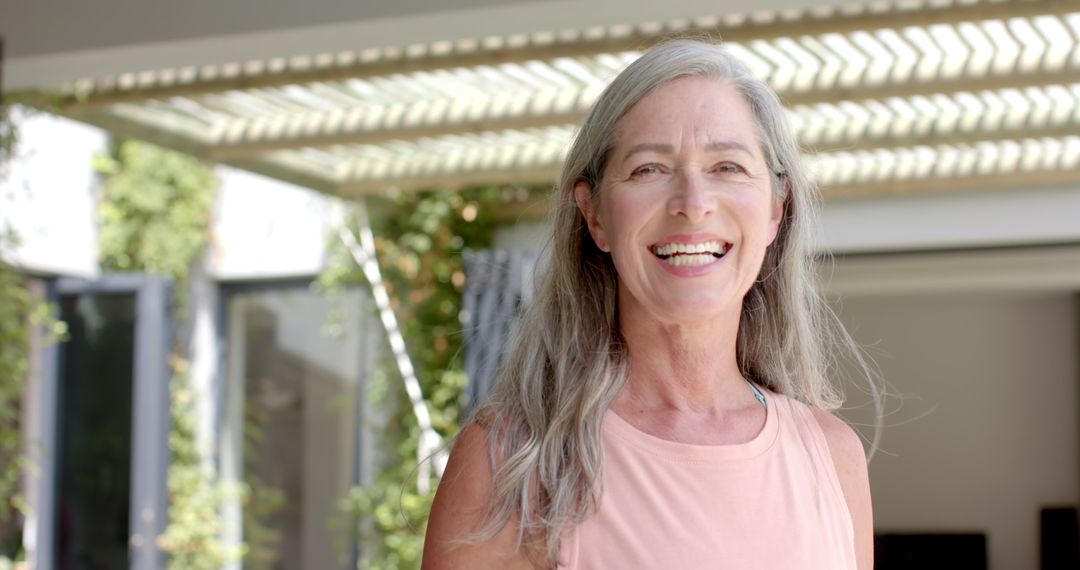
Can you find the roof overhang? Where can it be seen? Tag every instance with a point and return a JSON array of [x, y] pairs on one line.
[[885, 98]]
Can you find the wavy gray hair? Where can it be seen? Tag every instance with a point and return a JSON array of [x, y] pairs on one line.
[[568, 360]]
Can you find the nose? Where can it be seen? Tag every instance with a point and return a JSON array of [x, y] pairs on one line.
[[691, 197]]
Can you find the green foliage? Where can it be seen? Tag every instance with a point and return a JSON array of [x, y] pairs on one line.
[[193, 535], [419, 242], [20, 313], [155, 209], [13, 564], [262, 500], [9, 135], [155, 216]]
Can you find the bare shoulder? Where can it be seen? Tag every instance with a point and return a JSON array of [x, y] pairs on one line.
[[844, 444], [467, 478], [460, 508], [849, 459]]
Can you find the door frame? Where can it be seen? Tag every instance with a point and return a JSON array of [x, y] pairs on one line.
[[151, 420]]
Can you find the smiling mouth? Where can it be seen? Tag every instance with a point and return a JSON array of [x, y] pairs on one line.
[[683, 254]]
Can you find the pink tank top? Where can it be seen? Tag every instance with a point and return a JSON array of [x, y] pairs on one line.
[[771, 503]]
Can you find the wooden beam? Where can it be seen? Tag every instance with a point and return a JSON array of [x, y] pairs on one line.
[[952, 138], [331, 133], [539, 175], [547, 174], [957, 184], [338, 134], [129, 128], [124, 127], [285, 174], [907, 89], [519, 49]]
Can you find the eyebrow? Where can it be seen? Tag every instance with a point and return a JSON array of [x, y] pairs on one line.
[[663, 148]]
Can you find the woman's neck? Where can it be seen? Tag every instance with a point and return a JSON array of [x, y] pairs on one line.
[[682, 367]]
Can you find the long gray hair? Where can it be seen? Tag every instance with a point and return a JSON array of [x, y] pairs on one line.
[[569, 360]]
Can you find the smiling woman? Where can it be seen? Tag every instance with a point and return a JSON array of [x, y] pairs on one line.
[[684, 175], [665, 403]]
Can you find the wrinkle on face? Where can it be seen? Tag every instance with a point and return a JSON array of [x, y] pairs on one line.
[[686, 160]]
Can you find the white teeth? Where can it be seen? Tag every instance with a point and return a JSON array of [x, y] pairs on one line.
[[709, 247], [691, 260]]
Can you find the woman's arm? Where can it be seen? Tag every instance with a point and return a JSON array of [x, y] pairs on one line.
[[459, 508], [849, 457]]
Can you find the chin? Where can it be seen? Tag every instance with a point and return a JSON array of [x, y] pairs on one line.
[[701, 305], [699, 314]]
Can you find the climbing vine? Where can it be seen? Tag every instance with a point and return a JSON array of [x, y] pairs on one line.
[[155, 216], [420, 238], [20, 313], [9, 136], [155, 209]]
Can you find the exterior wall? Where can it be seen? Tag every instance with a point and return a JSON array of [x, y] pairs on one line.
[[47, 196], [984, 427], [264, 228], [1011, 217]]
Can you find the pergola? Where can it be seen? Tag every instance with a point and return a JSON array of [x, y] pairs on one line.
[[887, 98], [907, 97]]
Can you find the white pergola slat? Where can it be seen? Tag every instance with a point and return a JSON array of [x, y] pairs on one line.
[[930, 93]]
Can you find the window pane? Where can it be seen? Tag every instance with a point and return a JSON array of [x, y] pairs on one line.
[[93, 462], [300, 392]]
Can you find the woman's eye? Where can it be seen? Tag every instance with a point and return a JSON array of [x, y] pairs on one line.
[[729, 168], [646, 170]]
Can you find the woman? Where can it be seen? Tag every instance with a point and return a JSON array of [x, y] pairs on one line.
[[664, 402]]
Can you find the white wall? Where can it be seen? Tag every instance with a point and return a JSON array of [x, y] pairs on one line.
[[262, 228], [266, 228], [986, 431], [1018, 216], [47, 195]]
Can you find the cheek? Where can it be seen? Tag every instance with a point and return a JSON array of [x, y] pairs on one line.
[[757, 219], [626, 243], [624, 219]]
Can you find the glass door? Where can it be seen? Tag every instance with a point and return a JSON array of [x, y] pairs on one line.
[[108, 388], [294, 422]]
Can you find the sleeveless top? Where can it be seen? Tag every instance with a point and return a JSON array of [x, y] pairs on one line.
[[773, 502]]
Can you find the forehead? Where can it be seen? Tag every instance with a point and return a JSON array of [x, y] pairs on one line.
[[700, 109]]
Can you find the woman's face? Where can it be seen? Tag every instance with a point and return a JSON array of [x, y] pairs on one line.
[[685, 206]]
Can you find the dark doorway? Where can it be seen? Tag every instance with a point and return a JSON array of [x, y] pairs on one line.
[[93, 453]]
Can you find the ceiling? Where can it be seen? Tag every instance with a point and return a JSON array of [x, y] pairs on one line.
[[886, 99]]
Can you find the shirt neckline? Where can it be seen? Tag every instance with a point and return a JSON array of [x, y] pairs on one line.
[[625, 432]]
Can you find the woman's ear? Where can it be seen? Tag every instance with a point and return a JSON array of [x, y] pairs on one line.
[[776, 216], [584, 199]]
